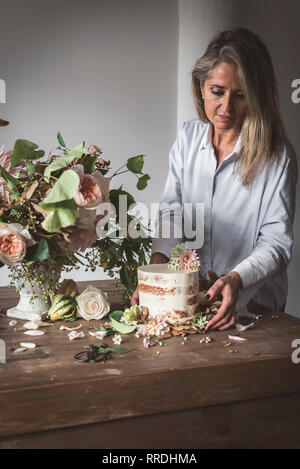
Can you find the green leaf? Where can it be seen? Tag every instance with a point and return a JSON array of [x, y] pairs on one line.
[[103, 171], [114, 198], [61, 140], [57, 164], [136, 163], [90, 164], [42, 252], [119, 326], [116, 349], [13, 182], [142, 182], [60, 218], [111, 349], [30, 167], [117, 314], [25, 150], [64, 189], [77, 151], [14, 195]]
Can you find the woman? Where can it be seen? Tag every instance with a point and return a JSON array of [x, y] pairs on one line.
[[237, 161]]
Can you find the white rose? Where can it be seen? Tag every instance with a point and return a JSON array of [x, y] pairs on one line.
[[92, 303]]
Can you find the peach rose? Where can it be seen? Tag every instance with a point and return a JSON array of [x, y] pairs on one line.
[[14, 240], [88, 194], [92, 190]]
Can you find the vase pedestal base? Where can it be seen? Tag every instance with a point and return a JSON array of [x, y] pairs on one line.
[[26, 315], [31, 305]]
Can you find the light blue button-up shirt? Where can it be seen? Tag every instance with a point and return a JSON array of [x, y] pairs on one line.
[[246, 229]]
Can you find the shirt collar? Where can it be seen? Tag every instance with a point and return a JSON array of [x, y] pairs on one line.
[[207, 140]]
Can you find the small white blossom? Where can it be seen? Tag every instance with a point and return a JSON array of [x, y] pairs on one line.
[[117, 339]]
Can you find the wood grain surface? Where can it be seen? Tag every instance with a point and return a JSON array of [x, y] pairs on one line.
[[45, 389]]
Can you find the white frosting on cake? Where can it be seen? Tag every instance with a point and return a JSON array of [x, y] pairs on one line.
[[167, 293]]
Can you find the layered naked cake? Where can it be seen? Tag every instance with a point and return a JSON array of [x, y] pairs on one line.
[[169, 294]]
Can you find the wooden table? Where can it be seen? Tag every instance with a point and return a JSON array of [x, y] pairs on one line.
[[189, 396]]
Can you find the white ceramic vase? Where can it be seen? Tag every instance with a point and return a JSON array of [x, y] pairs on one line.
[[25, 309]]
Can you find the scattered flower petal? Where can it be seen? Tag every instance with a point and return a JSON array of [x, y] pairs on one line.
[[20, 349], [27, 344], [236, 338], [62, 328], [34, 332], [12, 323], [98, 334], [76, 335], [241, 327], [148, 342]]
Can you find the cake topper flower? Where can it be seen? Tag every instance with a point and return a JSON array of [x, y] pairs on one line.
[[183, 258]]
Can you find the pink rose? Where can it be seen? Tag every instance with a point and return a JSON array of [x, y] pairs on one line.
[[14, 240], [92, 190], [5, 159], [88, 194], [82, 239]]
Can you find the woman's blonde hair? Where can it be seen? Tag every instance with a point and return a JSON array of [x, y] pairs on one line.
[[263, 132]]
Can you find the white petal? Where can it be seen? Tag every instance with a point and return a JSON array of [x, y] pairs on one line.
[[236, 338], [34, 332], [76, 335], [12, 323], [20, 349], [98, 334], [27, 344], [242, 328], [62, 328]]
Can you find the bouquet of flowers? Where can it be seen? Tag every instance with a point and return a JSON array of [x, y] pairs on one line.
[[53, 210]]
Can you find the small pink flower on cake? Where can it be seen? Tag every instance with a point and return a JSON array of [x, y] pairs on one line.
[[153, 327], [183, 258]]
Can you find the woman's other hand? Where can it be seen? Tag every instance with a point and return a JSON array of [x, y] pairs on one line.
[[229, 286], [135, 297], [156, 258]]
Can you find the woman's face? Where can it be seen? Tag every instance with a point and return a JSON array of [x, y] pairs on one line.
[[224, 102]]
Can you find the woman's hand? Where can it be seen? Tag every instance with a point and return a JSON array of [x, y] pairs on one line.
[[229, 286], [135, 297]]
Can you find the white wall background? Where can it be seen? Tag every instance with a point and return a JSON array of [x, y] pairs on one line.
[[117, 73], [199, 21], [103, 71]]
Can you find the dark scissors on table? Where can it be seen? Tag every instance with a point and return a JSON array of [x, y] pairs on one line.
[[93, 355]]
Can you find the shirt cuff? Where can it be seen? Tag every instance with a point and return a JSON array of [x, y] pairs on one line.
[[248, 274]]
